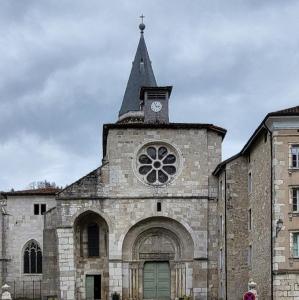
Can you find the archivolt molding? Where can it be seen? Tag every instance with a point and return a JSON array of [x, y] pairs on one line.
[[160, 233], [169, 216], [166, 224]]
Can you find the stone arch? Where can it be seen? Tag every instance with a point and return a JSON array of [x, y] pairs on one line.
[[91, 249], [81, 225], [165, 227], [85, 210]]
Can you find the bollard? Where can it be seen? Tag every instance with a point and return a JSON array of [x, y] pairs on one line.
[[5, 292]]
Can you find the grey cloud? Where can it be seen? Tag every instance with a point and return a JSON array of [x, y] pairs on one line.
[[64, 66]]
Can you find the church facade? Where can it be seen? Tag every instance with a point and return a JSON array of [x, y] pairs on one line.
[[143, 225]]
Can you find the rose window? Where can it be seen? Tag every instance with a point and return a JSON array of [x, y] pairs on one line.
[[157, 164]]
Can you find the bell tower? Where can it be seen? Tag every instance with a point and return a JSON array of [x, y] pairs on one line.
[[154, 103], [144, 101]]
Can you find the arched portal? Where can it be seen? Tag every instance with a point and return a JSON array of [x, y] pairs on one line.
[[91, 256], [156, 254]]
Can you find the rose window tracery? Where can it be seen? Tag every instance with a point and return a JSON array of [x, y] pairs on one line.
[[157, 164]]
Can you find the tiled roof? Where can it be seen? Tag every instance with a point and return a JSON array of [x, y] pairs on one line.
[[290, 110], [42, 191]]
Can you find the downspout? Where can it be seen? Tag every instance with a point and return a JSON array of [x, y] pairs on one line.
[[3, 245], [225, 237], [271, 199]]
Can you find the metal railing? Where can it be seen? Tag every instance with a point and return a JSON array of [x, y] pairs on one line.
[[26, 290]]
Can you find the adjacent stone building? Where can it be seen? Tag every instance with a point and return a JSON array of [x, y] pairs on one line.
[[258, 207], [21, 236]]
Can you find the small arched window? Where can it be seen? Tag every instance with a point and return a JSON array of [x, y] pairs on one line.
[[32, 258]]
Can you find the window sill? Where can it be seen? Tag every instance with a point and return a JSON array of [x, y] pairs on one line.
[[296, 258], [32, 274], [291, 170], [294, 213]]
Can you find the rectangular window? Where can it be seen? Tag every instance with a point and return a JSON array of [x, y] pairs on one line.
[[221, 259], [295, 156], [295, 244], [159, 206], [249, 219], [249, 182], [220, 225], [295, 198], [36, 209], [249, 256], [93, 236], [43, 208], [220, 190]]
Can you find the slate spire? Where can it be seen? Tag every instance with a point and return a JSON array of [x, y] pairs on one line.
[[141, 75]]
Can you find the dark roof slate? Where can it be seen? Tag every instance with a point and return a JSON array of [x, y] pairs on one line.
[[141, 75], [294, 109], [32, 192]]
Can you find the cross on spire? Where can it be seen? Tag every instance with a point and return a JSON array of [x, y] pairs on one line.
[[142, 26]]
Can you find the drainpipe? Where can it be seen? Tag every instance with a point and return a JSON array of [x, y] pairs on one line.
[[3, 245], [271, 199], [225, 236]]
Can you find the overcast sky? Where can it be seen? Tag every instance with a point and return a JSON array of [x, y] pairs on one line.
[[65, 64]]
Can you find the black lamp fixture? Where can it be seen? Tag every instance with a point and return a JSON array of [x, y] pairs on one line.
[[279, 224]]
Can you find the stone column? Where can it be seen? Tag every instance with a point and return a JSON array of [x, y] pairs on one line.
[[134, 281], [66, 264], [180, 280]]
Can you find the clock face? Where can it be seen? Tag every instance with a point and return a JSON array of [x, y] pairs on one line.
[[156, 106]]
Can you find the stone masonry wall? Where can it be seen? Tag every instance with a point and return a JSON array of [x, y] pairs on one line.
[[285, 266], [123, 200], [260, 204], [23, 226], [121, 215], [214, 154], [50, 274], [221, 245], [237, 227], [192, 146]]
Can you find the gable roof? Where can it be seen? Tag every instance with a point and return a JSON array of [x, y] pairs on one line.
[[141, 75], [85, 187], [291, 111]]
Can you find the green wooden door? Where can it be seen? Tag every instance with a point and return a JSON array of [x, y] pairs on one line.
[[89, 287], [156, 280]]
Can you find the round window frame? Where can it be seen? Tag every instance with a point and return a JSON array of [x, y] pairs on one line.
[[172, 150]]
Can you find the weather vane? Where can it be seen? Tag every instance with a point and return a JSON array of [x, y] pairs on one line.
[[142, 17]]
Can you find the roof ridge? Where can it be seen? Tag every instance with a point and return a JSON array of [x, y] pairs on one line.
[[293, 109]]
